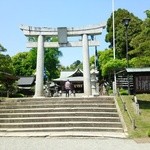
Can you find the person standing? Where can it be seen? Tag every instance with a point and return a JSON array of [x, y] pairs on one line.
[[67, 87]]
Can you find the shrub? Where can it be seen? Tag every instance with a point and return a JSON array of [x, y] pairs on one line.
[[123, 91], [17, 95]]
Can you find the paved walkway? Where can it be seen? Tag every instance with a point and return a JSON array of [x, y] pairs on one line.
[[56, 143]]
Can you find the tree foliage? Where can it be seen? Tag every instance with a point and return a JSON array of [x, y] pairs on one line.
[[141, 44], [133, 30], [7, 78], [73, 66], [113, 65], [6, 64], [22, 63], [52, 63], [108, 64], [25, 62], [138, 43], [2, 49]]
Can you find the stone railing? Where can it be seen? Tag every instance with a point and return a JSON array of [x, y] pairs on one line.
[[125, 109]]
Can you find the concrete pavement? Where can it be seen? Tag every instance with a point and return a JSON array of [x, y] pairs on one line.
[[68, 143]]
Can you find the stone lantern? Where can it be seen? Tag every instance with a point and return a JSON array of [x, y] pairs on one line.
[[94, 82]]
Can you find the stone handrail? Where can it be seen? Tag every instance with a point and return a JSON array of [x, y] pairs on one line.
[[132, 120]]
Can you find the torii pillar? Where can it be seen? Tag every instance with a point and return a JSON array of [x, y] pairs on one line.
[[62, 34], [86, 66], [39, 68]]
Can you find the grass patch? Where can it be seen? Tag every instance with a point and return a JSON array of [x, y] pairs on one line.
[[142, 121]]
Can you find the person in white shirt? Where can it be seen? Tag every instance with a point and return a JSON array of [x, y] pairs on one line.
[[67, 87]]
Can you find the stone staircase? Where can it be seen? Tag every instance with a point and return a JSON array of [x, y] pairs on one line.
[[60, 117]]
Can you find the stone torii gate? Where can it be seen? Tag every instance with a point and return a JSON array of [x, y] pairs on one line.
[[62, 33]]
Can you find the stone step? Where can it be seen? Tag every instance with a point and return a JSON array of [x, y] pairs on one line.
[[73, 109], [59, 119], [18, 106], [59, 114], [60, 124], [101, 98], [63, 130], [56, 101]]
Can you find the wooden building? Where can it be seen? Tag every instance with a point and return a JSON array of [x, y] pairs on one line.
[[26, 85], [141, 79], [75, 77]]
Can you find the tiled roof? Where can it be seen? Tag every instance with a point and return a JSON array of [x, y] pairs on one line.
[[70, 79], [138, 70], [65, 74], [70, 75], [26, 81]]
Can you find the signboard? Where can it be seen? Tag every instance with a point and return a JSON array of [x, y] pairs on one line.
[[142, 83], [62, 35]]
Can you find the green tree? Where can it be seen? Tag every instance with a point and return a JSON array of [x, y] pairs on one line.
[[52, 63], [25, 62], [73, 66], [141, 45], [2, 49], [147, 13], [6, 64], [76, 64], [133, 30], [7, 78], [109, 64]]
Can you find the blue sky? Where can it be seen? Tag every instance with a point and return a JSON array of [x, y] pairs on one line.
[[59, 13]]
